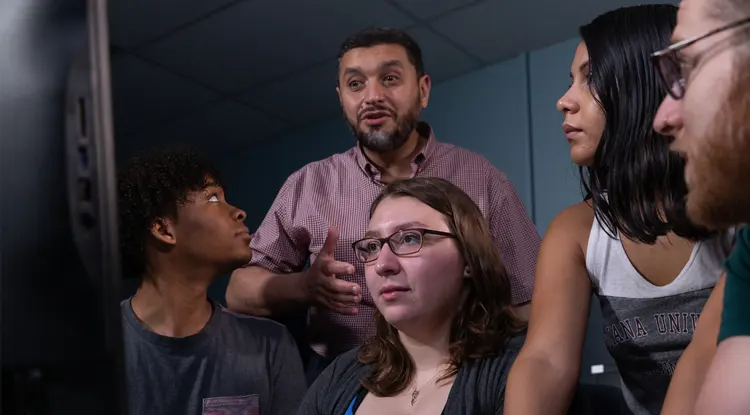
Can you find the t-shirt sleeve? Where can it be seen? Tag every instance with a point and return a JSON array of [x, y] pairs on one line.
[[289, 385], [515, 235], [735, 316], [281, 243]]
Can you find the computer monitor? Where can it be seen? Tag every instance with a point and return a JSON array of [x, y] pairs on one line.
[[60, 339]]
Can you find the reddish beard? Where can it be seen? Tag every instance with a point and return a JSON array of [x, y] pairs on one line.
[[719, 196]]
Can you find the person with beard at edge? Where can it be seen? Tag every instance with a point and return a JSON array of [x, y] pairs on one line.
[[707, 113], [322, 208], [446, 336], [185, 354], [629, 242]]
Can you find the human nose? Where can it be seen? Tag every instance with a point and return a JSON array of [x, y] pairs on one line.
[[387, 262], [568, 104], [668, 117], [238, 214], [373, 93]]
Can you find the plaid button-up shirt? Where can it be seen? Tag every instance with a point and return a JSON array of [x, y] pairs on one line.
[[339, 190]]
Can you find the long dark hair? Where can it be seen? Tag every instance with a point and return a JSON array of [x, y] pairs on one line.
[[484, 322], [635, 184]]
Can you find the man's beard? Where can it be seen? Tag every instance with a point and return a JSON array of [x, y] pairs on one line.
[[382, 140], [719, 195]]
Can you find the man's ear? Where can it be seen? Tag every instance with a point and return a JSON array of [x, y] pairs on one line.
[[425, 84], [163, 231]]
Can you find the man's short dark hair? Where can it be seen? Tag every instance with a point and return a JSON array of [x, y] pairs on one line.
[[152, 186], [373, 36]]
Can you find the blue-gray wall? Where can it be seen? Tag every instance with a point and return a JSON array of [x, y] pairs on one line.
[[506, 112]]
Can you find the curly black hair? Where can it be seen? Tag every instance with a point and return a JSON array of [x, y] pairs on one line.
[[152, 186]]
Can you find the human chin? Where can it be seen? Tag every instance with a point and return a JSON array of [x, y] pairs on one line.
[[386, 128], [395, 308], [581, 155], [242, 255], [396, 315]]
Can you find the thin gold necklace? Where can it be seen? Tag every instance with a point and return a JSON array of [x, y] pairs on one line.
[[415, 393]]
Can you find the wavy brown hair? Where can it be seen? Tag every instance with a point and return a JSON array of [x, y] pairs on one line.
[[485, 321]]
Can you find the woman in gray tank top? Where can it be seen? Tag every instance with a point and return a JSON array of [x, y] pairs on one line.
[[629, 242]]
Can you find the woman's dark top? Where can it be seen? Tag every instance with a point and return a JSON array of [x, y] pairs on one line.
[[478, 389]]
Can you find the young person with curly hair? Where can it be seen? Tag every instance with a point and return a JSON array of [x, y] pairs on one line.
[[184, 353]]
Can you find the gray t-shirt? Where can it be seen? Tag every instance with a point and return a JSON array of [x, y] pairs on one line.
[[235, 365], [478, 389]]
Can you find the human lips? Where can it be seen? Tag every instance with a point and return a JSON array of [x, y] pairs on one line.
[[244, 233], [571, 131], [392, 291], [375, 117]]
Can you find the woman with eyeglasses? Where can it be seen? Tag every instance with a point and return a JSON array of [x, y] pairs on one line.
[[445, 334], [629, 242]]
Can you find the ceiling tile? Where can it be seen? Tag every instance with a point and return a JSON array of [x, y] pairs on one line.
[[262, 40], [483, 29], [428, 9], [132, 22], [442, 60], [303, 98], [144, 94], [225, 125], [497, 30]]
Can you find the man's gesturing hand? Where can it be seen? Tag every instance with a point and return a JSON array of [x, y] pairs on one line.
[[324, 288]]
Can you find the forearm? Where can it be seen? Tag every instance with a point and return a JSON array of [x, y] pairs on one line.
[[725, 388], [536, 387], [687, 381], [695, 362], [259, 292]]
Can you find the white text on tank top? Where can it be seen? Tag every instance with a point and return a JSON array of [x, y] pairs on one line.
[[647, 327]]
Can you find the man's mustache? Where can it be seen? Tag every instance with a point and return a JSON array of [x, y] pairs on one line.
[[367, 110]]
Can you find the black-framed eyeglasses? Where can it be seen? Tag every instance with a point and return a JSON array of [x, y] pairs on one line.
[[403, 242], [669, 65]]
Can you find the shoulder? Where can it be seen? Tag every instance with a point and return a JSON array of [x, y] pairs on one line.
[[473, 173], [468, 159], [499, 365], [258, 328], [335, 388], [483, 380], [344, 367], [579, 215], [742, 238], [574, 222], [326, 166], [738, 263], [316, 177]]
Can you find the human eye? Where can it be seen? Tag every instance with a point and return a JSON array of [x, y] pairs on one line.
[[411, 238]]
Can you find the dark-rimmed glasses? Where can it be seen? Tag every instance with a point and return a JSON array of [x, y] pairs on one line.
[[403, 242], [669, 65]]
